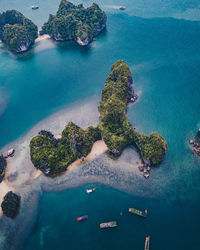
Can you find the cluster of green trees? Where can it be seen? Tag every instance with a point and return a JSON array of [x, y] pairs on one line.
[[75, 22], [70, 23], [10, 204], [17, 31], [116, 130], [52, 156]]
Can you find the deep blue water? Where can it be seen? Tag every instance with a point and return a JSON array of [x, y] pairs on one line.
[[170, 226], [163, 54]]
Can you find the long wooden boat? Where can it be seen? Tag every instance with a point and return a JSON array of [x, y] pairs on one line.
[[138, 212], [108, 224], [147, 243]]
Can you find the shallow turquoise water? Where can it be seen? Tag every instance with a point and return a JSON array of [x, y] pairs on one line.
[[164, 57]]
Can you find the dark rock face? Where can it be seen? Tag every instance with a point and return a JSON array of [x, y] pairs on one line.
[[115, 152], [2, 167], [10, 204]]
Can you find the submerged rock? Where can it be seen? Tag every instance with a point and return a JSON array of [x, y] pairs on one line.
[[10, 204]]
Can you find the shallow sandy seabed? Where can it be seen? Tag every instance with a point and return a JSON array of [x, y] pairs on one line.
[[98, 167], [21, 173], [43, 37]]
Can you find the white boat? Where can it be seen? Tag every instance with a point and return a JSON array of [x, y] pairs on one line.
[[10, 152], [34, 7], [89, 191], [122, 7]]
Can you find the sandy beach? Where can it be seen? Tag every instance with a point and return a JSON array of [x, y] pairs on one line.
[[98, 148], [43, 37]]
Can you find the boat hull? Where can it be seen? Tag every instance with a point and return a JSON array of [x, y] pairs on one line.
[[138, 212], [147, 243], [81, 218], [108, 224]]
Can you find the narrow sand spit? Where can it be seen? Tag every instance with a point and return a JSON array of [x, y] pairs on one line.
[[43, 37]]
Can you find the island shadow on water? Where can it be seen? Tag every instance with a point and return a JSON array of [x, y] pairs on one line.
[[74, 47]]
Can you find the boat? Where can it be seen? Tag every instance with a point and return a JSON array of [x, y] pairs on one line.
[[89, 191], [34, 7], [10, 152], [147, 243], [108, 224], [138, 212], [84, 217], [122, 7]]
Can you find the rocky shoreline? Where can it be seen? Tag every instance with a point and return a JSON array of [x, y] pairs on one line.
[[196, 143]]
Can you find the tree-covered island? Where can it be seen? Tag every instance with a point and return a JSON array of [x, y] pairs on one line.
[[10, 204], [53, 156], [16, 31], [116, 130], [75, 23]]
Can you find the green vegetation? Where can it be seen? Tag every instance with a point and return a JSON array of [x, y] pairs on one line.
[[116, 130], [53, 156], [75, 23], [17, 31], [10, 204]]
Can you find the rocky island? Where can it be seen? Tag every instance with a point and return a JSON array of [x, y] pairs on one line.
[[10, 204], [196, 143], [53, 156], [75, 23], [16, 31], [116, 130]]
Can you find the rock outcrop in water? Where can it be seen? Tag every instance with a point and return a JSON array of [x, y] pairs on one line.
[[75, 23], [196, 143], [17, 31], [53, 156], [10, 204]]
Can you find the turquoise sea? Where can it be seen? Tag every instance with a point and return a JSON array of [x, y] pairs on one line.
[[160, 42]]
